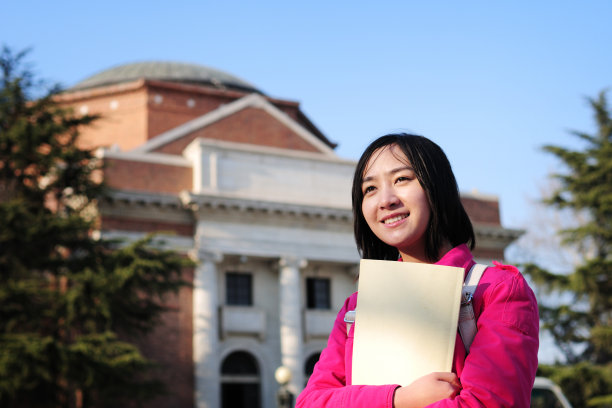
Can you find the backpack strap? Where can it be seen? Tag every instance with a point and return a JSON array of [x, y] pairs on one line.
[[467, 320], [349, 316], [349, 319]]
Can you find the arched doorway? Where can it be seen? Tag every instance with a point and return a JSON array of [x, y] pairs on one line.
[[309, 366], [240, 381]]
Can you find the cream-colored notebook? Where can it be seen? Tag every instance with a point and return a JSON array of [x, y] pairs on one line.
[[406, 321]]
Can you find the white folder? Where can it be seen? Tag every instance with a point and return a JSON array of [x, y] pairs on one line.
[[406, 321]]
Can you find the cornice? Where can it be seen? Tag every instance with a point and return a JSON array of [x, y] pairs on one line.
[[114, 89], [200, 202], [491, 236], [496, 230], [144, 199], [148, 157]]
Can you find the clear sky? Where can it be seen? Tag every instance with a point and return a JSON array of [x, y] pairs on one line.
[[491, 82]]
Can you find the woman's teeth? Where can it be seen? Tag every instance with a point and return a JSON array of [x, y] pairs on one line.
[[395, 219]]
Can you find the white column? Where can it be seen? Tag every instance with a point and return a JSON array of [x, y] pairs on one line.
[[206, 330], [291, 336]]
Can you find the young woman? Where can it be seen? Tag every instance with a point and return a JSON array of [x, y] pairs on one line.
[[406, 207]]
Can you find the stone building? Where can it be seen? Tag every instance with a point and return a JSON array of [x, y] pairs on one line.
[[251, 189]]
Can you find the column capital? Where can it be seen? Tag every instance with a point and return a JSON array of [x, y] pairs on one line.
[[292, 262]]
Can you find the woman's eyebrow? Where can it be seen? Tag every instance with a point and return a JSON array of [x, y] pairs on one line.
[[398, 169], [392, 171]]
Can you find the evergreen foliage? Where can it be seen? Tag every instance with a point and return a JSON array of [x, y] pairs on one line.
[[582, 327], [64, 295]]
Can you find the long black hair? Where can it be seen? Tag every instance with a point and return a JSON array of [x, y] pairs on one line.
[[448, 220]]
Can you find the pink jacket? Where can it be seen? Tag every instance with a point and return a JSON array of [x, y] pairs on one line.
[[498, 372]]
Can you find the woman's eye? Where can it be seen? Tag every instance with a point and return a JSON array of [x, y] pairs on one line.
[[401, 179], [368, 189]]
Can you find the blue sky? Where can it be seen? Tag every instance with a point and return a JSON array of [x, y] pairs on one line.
[[491, 82]]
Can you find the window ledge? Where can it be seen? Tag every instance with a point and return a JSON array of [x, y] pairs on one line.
[[319, 323], [242, 320]]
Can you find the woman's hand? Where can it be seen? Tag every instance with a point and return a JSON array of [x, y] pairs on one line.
[[426, 390]]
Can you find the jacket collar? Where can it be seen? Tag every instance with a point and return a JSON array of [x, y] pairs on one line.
[[458, 256]]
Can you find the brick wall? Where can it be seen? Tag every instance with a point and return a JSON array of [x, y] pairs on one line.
[[482, 211], [170, 345], [169, 107], [488, 254], [144, 176], [123, 119]]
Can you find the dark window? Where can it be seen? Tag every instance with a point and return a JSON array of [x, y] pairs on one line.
[[240, 383], [317, 293], [238, 289]]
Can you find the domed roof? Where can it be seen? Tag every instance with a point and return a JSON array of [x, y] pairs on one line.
[[166, 71]]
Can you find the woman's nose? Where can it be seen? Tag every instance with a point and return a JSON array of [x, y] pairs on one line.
[[388, 198]]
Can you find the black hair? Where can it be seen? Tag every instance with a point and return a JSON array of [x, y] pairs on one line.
[[448, 220]]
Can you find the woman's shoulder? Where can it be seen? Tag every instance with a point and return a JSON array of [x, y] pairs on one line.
[[501, 274], [503, 289], [501, 280]]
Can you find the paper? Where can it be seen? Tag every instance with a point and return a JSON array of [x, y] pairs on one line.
[[406, 321]]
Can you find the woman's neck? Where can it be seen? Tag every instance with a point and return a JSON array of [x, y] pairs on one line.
[[420, 256]]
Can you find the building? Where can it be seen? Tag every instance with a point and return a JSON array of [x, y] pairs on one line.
[[251, 189]]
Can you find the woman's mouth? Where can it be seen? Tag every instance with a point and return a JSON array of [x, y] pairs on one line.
[[395, 219]]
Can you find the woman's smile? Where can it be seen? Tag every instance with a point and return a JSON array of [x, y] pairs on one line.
[[394, 219]]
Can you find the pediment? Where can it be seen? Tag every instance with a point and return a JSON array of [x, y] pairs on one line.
[[250, 120]]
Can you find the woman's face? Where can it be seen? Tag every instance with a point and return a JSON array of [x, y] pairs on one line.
[[394, 204]]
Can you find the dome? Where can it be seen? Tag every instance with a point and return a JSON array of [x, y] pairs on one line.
[[166, 71]]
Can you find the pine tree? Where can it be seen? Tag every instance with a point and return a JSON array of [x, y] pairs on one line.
[[64, 295], [582, 326]]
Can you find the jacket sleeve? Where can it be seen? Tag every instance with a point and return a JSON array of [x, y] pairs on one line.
[[500, 368], [327, 384]]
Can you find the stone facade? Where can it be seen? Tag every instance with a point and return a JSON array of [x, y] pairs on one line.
[[250, 189]]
